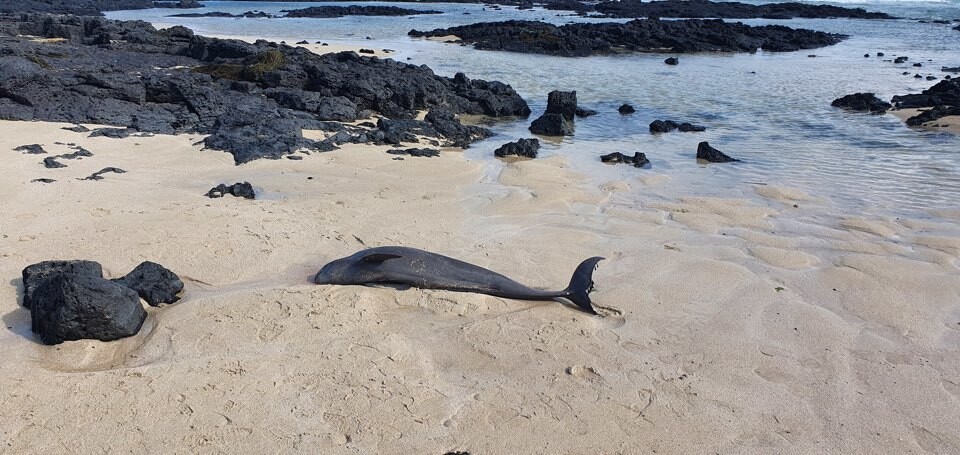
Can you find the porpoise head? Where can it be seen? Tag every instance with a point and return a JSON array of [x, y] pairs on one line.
[[357, 269]]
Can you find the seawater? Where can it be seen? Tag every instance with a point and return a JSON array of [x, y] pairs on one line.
[[772, 110]]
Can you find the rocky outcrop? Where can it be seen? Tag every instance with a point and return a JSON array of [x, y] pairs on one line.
[[154, 283], [355, 10], [730, 10], [639, 35], [707, 153], [862, 102], [637, 160], [244, 190], [558, 118], [666, 126], [252, 100], [526, 148], [943, 99], [88, 7]]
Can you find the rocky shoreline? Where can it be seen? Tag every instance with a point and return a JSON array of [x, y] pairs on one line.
[[253, 100], [639, 35], [730, 10]]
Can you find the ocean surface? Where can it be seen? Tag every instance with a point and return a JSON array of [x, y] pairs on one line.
[[772, 110]]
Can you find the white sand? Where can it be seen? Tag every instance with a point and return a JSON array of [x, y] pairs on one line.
[[731, 326]]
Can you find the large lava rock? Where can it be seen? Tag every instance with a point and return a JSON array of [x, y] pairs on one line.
[[36, 274], [563, 103], [862, 102], [68, 306], [153, 282]]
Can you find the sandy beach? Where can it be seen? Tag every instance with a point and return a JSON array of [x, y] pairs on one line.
[[771, 324], [950, 123]]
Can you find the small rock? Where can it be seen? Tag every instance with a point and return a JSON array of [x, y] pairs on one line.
[[672, 61], [52, 163], [626, 109], [551, 125], [637, 160], [666, 126], [524, 147], [43, 180], [303, 42], [294, 157], [153, 282], [417, 152], [77, 129], [244, 190], [32, 149], [367, 51], [918, 64], [708, 153], [99, 174], [563, 103], [902, 59], [862, 102], [584, 112]]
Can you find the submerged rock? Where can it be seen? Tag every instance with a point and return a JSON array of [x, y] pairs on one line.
[[708, 153], [666, 126], [637, 160], [527, 148], [626, 109], [672, 61], [154, 283], [244, 190], [862, 102], [584, 112], [69, 306]]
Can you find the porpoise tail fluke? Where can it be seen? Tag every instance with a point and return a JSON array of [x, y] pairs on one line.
[[581, 284]]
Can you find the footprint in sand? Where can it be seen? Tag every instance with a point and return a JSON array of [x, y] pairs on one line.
[[584, 373]]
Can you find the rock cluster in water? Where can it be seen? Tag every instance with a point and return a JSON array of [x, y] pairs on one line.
[[862, 102], [942, 99], [253, 100], [730, 10], [639, 35], [666, 126], [71, 300], [637, 160], [356, 10]]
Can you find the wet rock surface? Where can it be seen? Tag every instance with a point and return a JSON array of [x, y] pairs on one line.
[[707, 153], [526, 148], [253, 100], [639, 35], [666, 126], [862, 102], [637, 160], [943, 99]]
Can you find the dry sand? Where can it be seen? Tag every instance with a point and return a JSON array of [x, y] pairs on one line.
[[768, 325]]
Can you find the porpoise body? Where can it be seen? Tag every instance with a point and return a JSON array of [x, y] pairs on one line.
[[426, 270]]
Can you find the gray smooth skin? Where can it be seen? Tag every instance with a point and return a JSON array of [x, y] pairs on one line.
[[426, 270]]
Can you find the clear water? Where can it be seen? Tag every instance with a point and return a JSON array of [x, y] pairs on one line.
[[772, 110]]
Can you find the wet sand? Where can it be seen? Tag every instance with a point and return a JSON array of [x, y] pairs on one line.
[[777, 324], [950, 123]]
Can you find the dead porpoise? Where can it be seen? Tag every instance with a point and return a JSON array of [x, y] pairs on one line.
[[426, 270]]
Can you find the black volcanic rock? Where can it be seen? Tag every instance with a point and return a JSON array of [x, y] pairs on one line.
[[244, 190], [355, 10], [626, 109], [584, 112], [637, 160], [69, 306], [672, 61], [51, 162], [708, 153], [666, 126], [639, 35], [153, 282], [31, 149], [730, 10], [99, 174], [563, 103], [524, 147], [172, 81], [415, 152], [247, 14], [551, 125], [862, 102], [35, 274]]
